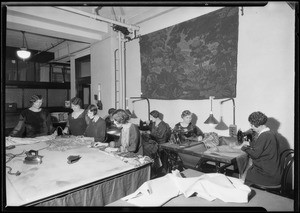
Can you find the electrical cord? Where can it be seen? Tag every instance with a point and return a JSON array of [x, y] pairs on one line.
[[11, 156]]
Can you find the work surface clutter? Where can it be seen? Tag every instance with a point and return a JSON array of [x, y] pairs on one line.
[[62, 143]]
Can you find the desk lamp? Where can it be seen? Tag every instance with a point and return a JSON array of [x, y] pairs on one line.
[[140, 99]]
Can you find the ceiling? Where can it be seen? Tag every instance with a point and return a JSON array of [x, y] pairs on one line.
[[65, 30]]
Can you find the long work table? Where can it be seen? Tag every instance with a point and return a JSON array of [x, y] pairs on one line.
[[194, 155], [70, 173]]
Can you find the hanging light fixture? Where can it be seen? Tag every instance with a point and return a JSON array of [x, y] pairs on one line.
[[23, 53], [211, 119], [221, 125]]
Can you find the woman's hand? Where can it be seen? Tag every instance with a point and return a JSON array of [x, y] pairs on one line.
[[65, 131], [245, 143]]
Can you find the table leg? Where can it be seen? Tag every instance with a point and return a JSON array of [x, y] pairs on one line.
[[173, 161]]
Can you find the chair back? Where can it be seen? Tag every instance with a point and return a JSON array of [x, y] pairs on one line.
[[286, 161]]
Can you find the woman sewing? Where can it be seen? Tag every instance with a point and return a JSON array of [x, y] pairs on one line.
[[263, 151], [77, 120], [159, 133], [34, 121], [187, 130], [129, 140]]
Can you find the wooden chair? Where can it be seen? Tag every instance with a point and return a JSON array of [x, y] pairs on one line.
[[286, 162]]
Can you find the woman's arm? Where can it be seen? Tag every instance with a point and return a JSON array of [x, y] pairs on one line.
[[50, 127], [257, 147], [198, 131], [19, 128], [160, 133], [101, 131], [66, 129], [134, 138]]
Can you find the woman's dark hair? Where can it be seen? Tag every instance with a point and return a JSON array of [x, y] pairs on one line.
[[76, 101], [111, 110], [155, 113], [185, 113], [34, 98], [93, 109], [120, 116], [257, 118]]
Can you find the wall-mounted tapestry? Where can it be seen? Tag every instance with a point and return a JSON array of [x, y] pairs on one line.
[[192, 60]]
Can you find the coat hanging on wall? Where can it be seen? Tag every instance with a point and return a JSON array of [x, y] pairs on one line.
[[192, 60]]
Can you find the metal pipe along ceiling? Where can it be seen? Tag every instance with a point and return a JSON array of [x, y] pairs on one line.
[[94, 16]]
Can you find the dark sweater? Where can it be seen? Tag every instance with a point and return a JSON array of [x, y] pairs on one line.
[[33, 124], [266, 162], [96, 130]]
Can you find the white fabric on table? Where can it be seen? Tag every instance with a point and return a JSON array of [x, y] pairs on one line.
[[210, 186], [21, 141]]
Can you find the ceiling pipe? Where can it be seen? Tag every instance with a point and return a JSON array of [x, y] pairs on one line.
[[58, 43], [69, 54], [100, 18]]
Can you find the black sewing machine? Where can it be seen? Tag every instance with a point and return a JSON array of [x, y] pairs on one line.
[[248, 135], [144, 126]]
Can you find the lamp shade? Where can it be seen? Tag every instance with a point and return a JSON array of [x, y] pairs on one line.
[[221, 125], [211, 119], [23, 53]]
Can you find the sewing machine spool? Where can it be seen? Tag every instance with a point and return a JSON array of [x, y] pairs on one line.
[[32, 157]]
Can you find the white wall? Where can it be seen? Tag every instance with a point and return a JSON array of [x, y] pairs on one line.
[[265, 73], [103, 72]]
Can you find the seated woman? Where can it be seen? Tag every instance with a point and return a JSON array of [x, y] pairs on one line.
[[113, 132], [129, 140], [186, 129], [159, 130], [159, 133], [96, 127], [34, 121], [77, 120], [263, 151], [109, 119]]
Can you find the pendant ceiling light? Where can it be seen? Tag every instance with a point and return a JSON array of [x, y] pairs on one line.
[[211, 119], [23, 53]]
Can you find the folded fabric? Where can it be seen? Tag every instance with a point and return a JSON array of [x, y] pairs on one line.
[[209, 186], [154, 192], [216, 185]]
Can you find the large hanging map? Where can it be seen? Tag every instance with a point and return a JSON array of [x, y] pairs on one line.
[[192, 60]]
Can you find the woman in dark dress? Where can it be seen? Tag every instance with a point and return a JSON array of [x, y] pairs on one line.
[[264, 153], [34, 121], [96, 127], [159, 133], [186, 129], [77, 120]]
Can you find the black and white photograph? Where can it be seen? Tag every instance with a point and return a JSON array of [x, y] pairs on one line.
[[140, 106]]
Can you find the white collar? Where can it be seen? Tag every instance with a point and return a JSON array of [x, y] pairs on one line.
[[264, 130]]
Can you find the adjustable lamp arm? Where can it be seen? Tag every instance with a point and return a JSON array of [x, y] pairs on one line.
[[143, 98], [233, 107]]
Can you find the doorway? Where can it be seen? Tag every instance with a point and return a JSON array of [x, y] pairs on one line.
[[83, 79]]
